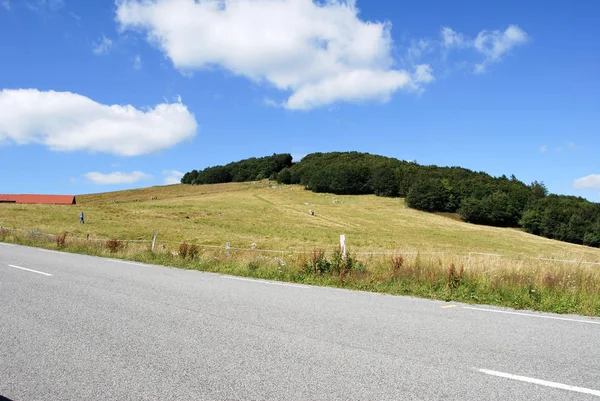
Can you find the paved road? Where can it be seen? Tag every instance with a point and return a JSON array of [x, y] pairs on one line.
[[100, 329]]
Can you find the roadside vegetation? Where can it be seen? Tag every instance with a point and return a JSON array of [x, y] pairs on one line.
[[515, 283], [427, 255]]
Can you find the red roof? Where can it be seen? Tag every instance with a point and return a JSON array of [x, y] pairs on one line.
[[44, 199]]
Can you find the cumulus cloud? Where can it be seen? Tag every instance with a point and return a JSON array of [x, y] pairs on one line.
[[117, 177], [423, 73], [495, 44], [321, 52], [451, 38], [102, 46], [172, 177], [492, 46], [66, 121], [588, 182]]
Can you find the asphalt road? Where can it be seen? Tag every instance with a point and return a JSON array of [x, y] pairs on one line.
[[75, 327]]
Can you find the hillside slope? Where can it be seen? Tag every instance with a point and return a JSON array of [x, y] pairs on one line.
[[277, 217]]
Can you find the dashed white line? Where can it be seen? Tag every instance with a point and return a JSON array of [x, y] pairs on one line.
[[30, 270], [532, 315], [265, 282], [541, 382]]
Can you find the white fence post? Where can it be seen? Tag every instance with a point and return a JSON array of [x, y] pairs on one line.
[[343, 245], [228, 249], [154, 240]]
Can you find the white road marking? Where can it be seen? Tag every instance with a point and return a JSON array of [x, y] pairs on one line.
[[265, 282], [532, 315], [51, 251], [126, 263], [5, 244], [541, 382], [30, 270]]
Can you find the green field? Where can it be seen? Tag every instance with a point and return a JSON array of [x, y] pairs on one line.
[[263, 216], [276, 217]]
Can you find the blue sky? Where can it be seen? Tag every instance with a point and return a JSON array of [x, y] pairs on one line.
[[102, 95]]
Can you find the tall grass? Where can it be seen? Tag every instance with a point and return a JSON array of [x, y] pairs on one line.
[[517, 283]]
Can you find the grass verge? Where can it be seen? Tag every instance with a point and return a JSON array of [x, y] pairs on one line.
[[522, 284]]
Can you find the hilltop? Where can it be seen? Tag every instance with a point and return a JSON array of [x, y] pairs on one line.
[[476, 197]]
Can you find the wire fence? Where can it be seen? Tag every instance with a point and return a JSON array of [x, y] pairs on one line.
[[228, 248]]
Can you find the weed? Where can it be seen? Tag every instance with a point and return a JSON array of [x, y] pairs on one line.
[[397, 263], [183, 250], [3, 234], [193, 252], [253, 265], [61, 240], [318, 263], [114, 245], [455, 277]]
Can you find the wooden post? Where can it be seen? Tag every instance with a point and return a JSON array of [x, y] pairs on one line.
[[228, 249], [154, 240], [343, 246]]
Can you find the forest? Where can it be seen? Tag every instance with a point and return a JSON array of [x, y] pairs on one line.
[[477, 197]]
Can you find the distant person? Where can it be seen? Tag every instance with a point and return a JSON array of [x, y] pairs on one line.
[[81, 221]]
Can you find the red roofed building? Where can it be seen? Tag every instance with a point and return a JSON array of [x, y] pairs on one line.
[[42, 199]]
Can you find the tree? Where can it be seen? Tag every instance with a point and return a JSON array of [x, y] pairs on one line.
[[284, 176], [384, 181], [428, 195]]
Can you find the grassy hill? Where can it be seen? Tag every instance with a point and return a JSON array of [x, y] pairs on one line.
[[263, 215], [276, 217]]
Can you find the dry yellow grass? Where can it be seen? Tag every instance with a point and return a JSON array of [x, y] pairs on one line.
[[276, 217]]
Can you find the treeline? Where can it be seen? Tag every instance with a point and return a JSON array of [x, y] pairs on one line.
[[476, 196], [253, 169]]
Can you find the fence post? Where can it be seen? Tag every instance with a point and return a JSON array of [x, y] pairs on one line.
[[228, 249], [154, 240], [343, 245]]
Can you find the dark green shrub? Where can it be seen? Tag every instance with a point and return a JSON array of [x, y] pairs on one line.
[[284, 176], [428, 195]]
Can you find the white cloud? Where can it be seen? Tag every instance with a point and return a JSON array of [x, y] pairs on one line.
[[137, 62], [423, 73], [117, 177], [323, 53], [5, 4], [589, 182], [270, 102], [172, 177], [102, 46], [452, 38], [45, 5], [544, 149], [66, 121], [495, 44], [492, 45], [76, 17]]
